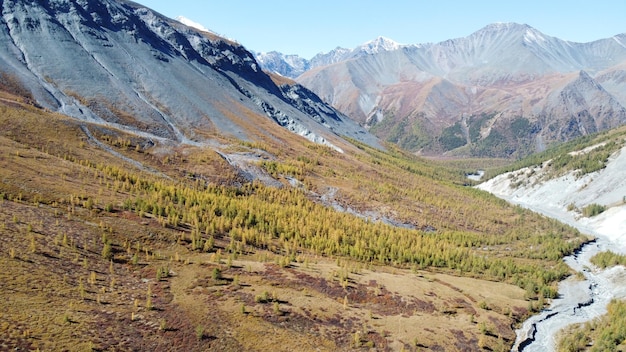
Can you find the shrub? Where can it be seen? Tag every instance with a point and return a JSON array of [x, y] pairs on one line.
[[199, 332], [262, 298], [608, 259], [593, 209], [216, 274], [107, 252]]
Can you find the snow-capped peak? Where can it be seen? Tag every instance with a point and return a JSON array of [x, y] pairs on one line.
[[505, 26], [190, 23], [379, 44]]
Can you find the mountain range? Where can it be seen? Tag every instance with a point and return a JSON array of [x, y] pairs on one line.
[[292, 66], [505, 90]]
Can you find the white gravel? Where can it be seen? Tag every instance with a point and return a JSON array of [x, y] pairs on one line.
[[584, 300]]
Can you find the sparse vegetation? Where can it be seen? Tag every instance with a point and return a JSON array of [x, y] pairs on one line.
[[608, 259], [592, 210], [567, 157], [199, 332], [120, 243]]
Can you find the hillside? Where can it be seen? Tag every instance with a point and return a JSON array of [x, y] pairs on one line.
[[129, 243], [123, 65], [506, 90]]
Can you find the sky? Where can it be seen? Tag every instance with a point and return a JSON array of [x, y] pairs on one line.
[[307, 28]]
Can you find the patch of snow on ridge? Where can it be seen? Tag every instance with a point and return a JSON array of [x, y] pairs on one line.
[[616, 38], [189, 23]]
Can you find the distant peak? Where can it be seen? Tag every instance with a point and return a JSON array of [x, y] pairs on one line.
[[379, 44], [506, 26], [189, 23], [529, 34]]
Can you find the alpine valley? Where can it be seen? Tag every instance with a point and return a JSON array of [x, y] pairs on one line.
[[161, 191], [506, 90]]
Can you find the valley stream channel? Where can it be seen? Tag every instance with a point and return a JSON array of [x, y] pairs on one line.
[[579, 300]]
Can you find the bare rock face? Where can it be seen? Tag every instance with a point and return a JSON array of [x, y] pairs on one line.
[[585, 107], [505, 90], [119, 63]]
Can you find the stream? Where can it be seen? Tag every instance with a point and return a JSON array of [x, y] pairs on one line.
[[579, 300]]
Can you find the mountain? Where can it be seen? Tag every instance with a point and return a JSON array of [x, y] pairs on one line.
[[285, 65], [505, 90], [293, 66], [121, 64], [323, 59], [378, 45]]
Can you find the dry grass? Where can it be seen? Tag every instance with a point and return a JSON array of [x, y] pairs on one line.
[[45, 308], [281, 80], [59, 292], [333, 307], [63, 295]]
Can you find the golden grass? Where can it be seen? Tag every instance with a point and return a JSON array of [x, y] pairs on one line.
[[58, 212], [383, 309], [281, 80]]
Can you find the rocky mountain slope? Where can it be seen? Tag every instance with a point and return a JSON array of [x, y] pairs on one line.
[[505, 90], [121, 64]]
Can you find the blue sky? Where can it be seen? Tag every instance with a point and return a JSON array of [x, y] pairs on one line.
[[310, 27]]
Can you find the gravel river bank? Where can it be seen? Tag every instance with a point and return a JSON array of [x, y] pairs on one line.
[[580, 300]]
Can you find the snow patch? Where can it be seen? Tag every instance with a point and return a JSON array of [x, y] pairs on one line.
[[378, 45], [189, 23], [619, 41]]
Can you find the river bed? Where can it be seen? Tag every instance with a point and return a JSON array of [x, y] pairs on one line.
[[580, 300]]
